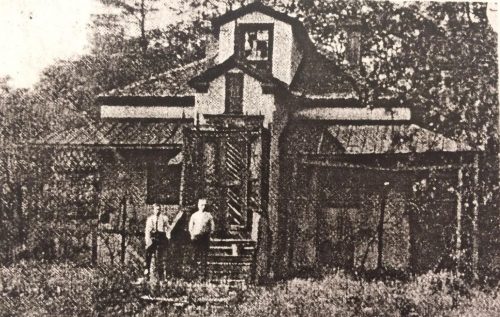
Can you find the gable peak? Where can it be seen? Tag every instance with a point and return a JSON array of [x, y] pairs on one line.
[[256, 6]]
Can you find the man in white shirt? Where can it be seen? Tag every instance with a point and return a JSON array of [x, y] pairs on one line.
[[201, 226], [156, 235]]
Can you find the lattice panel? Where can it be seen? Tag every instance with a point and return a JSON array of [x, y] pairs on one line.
[[235, 168], [235, 209], [75, 161], [254, 197], [73, 185], [235, 161]]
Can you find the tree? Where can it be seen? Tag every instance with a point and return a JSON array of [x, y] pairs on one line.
[[64, 99], [139, 12]]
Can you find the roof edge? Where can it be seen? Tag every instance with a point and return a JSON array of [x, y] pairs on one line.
[[199, 81], [166, 101], [252, 7]]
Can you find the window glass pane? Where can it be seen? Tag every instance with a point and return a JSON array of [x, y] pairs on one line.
[[257, 45], [262, 35], [234, 93]]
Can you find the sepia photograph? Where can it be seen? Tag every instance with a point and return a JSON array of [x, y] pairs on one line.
[[249, 158]]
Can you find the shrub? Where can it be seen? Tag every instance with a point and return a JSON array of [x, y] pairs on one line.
[[38, 289], [338, 294]]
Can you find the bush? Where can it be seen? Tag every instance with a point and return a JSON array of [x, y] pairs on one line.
[[338, 294], [38, 289]]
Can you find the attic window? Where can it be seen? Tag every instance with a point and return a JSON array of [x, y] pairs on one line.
[[257, 45], [254, 43]]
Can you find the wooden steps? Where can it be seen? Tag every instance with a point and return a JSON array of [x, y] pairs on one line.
[[231, 259]]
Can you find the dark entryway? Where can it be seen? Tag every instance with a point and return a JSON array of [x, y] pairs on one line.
[[226, 169]]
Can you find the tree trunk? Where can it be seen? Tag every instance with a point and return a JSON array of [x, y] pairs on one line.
[[458, 232], [413, 223], [142, 25], [20, 214], [475, 216], [123, 231], [380, 230]]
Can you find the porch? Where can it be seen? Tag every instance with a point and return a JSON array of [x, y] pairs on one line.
[[110, 173], [376, 198]]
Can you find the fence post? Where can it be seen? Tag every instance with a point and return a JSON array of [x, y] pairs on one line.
[[458, 230], [475, 217], [123, 231], [380, 227], [95, 226]]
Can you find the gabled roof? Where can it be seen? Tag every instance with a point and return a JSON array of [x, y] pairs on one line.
[[170, 83], [316, 77], [298, 28], [309, 138], [231, 63], [254, 7]]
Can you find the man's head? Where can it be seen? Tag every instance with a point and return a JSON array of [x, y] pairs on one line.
[[202, 203], [156, 209]]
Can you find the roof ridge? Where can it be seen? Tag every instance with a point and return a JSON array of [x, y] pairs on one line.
[[255, 6]]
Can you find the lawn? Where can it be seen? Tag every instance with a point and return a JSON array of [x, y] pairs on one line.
[[37, 289]]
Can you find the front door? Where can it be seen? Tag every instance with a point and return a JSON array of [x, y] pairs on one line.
[[222, 163]]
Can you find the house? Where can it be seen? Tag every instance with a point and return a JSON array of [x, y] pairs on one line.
[[272, 132]]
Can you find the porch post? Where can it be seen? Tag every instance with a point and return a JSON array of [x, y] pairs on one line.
[[291, 207], [475, 217], [275, 211], [380, 228], [458, 231]]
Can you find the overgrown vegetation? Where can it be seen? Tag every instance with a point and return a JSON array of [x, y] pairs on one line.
[[36, 289]]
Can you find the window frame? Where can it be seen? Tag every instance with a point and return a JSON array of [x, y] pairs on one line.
[[232, 106], [239, 48]]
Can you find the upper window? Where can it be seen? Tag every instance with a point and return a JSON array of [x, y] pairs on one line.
[[257, 45], [254, 43], [234, 93]]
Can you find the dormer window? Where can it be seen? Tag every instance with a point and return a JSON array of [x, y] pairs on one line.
[[257, 45], [254, 43]]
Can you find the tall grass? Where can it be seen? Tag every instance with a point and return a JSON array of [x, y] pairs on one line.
[[37, 289], [338, 294], [28, 289]]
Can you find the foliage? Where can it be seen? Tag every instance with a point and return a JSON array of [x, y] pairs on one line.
[[64, 99], [37, 289], [339, 295], [138, 11], [63, 290]]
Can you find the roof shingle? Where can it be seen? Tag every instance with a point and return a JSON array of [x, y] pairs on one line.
[[371, 139], [119, 133], [171, 83]]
